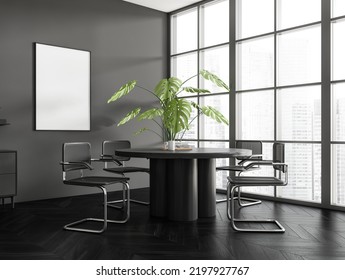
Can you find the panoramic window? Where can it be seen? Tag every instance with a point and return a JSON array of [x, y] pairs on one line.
[[207, 48], [276, 50], [279, 87], [338, 102]]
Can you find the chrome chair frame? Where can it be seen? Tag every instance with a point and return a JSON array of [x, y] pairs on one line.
[[241, 167], [122, 169], [253, 181], [96, 182]]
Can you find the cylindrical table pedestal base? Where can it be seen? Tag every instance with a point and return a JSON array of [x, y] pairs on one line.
[[158, 188], [182, 190], [206, 187]]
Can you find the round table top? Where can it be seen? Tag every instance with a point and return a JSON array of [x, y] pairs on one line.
[[195, 153]]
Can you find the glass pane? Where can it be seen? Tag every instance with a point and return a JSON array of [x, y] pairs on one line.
[[299, 113], [338, 46], [255, 115], [221, 177], [255, 63], [338, 8], [299, 56], [184, 67], [192, 133], [304, 163], [184, 31], [215, 60], [214, 23], [209, 128], [254, 17], [338, 175], [338, 112], [263, 171], [297, 12]]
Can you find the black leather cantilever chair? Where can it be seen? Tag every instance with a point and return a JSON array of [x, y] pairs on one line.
[[108, 156], [235, 182], [256, 147], [77, 157]]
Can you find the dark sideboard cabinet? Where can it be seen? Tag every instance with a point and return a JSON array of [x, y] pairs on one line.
[[8, 175]]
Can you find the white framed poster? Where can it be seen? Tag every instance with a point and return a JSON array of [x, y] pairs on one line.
[[62, 88]]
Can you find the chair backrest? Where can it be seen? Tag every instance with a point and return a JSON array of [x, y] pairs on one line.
[[255, 146], [279, 155], [75, 152], [110, 146]]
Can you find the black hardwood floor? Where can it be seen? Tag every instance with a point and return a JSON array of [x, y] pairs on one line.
[[33, 230]]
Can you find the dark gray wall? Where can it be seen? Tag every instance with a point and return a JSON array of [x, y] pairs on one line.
[[126, 42]]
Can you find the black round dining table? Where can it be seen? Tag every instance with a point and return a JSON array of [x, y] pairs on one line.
[[183, 182]]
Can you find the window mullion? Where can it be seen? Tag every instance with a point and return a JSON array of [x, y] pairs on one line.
[[326, 103], [275, 79], [198, 81]]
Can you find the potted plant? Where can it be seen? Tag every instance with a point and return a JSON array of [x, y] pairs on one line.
[[173, 115]]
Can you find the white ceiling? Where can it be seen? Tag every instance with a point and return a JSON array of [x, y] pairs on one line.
[[164, 5]]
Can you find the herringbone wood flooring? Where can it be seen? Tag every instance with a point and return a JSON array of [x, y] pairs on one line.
[[33, 230]]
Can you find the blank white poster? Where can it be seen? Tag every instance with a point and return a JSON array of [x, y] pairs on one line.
[[62, 88]]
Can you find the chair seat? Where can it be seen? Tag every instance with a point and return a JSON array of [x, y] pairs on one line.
[[95, 181], [127, 169], [255, 181]]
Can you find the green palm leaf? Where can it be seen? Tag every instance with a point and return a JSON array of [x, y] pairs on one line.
[[195, 90], [131, 115], [125, 89], [195, 105], [167, 88], [140, 131], [151, 114], [176, 115], [214, 114], [147, 129], [214, 79]]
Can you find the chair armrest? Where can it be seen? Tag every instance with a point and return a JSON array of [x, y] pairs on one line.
[[110, 158], [77, 163], [251, 158], [267, 162], [256, 156], [106, 159]]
